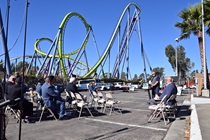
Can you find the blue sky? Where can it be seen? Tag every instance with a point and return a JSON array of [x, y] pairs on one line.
[[157, 25]]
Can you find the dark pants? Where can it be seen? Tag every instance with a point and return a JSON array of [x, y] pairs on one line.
[[155, 90], [27, 107]]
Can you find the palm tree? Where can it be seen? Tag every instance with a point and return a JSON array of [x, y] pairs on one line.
[[192, 24]]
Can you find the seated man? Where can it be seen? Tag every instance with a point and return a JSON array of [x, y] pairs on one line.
[[53, 99], [92, 87], [169, 89], [71, 87], [16, 91]]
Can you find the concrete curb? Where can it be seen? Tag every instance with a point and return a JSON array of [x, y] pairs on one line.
[[195, 131]]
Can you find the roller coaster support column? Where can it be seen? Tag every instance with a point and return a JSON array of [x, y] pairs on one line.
[[48, 53], [4, 44]]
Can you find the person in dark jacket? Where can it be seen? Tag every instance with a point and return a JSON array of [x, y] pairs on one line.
[[16, 91], [71, 87]]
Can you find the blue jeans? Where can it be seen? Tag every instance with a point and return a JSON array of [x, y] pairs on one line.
[[60, 106]]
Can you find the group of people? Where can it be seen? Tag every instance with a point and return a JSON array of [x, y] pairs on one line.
[[15, 89], [169, 89], [50, 96]]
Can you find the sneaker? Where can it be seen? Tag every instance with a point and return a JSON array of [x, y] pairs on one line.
[[68, 114], [65, 117]]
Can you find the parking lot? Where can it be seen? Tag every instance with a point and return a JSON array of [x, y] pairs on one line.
[[130, 125]]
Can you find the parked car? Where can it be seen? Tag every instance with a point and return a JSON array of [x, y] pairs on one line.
[[83, 84], [105, 86], [118, 85]]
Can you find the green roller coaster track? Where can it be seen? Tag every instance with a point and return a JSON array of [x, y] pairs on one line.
[[94, 68], [60, 41], [62, 26]]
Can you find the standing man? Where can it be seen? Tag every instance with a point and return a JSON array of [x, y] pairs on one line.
[[155, 84]]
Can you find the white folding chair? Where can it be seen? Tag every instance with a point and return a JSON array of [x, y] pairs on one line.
[[101, 100], [94, 99], [44, 108], [171, 109], [159, 109], [81, 103], [111, 102]]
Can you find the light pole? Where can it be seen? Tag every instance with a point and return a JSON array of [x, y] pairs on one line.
[[176, 49], [205, 91]]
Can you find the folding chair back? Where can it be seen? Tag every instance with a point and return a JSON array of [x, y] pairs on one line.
[[158, 109], [109, 95], [171, 109], [172, 97], [100, 94], [81, 103], [79, 97], [111, 102], [95, 93]]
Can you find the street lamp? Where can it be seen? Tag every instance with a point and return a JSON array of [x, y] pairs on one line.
[[177, 40]]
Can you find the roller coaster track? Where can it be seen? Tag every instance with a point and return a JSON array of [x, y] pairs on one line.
[[105, 53], [58, 42]]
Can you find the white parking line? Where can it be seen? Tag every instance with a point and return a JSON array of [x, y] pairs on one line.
[[124, 124], [124, 108]]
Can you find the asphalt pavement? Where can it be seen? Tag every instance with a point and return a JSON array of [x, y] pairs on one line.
[[130, 125]]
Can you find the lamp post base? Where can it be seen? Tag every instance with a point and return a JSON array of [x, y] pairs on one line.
[[205, 92]]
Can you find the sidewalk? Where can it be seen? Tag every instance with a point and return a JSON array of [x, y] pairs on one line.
[[200, 118], [177, 128]]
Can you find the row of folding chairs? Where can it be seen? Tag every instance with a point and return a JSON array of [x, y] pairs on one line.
[[164, 110], [79, 101], [105, 102]]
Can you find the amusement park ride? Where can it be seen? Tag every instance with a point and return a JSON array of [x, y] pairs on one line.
[[57, 62]]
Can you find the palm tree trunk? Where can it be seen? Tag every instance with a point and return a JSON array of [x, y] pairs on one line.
[[200, 41]]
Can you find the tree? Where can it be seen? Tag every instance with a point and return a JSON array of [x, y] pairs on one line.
[[191, 24], [135, 77], [159, 71], [184, 64]]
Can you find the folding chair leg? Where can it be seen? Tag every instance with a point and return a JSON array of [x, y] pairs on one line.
[[80, 112], [119, 109], [111, 110], [89, 112], [48, 109], [41, 115]]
